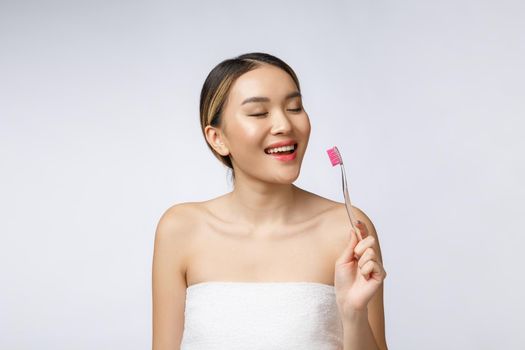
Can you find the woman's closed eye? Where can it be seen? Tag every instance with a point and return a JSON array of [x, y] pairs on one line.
[[258, 114], [295, 110]]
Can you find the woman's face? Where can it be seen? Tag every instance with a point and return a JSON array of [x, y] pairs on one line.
[[264, 107]]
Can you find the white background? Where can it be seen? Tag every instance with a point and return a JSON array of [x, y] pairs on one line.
[[100, 134]]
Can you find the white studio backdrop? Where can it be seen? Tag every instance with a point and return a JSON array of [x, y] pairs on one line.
[[99, 135]]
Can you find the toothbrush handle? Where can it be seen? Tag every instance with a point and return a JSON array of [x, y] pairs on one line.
[[348, 204]]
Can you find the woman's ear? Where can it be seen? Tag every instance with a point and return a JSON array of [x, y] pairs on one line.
[[215, 138]]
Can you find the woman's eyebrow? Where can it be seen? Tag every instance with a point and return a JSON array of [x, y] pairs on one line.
[[266, 99]]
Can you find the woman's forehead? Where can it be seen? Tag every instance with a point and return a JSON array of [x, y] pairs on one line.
[[266, 81]]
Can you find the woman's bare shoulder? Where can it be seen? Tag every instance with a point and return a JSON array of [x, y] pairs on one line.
[[176, 231], [319, 204], [332, 211], [184, 214]]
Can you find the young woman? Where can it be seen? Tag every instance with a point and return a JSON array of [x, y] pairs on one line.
[[268, 265]]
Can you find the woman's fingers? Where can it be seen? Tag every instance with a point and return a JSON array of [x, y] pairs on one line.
[[367, 242], [368, 264], [356, 247], [368, 255], [348, 253], [369, 267], [362, 229]]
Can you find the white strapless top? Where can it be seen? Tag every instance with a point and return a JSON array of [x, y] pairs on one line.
[[261, 315]]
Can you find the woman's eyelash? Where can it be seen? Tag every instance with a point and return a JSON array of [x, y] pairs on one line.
[[261, 114]]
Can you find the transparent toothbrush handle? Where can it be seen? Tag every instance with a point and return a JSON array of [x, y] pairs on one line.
[[348, 204]]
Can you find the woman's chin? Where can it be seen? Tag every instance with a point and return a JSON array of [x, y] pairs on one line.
[[286, 178]]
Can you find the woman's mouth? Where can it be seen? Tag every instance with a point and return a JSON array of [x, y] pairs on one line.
[[285, 153]]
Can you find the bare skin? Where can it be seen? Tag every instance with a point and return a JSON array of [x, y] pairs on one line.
[[266, 229], [303, 249]]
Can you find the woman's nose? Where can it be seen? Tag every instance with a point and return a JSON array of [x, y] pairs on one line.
[[280, 123]]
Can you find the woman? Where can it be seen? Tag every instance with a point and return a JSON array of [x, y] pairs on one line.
[[268, 265]]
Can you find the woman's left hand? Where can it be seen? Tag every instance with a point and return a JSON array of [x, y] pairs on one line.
[[358, 273]]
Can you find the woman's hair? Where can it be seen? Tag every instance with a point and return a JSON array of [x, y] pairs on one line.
[[217, 85]]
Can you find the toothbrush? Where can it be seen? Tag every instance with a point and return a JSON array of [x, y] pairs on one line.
[[335, 159]]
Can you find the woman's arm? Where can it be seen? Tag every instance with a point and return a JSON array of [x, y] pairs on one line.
[[376, 314], [168, 279]]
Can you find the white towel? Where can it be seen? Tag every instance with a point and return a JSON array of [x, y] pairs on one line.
[[261, 315]]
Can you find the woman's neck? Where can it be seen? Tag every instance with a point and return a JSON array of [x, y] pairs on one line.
[[263, 205]]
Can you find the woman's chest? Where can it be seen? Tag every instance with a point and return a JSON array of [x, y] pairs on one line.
[[281, 256]]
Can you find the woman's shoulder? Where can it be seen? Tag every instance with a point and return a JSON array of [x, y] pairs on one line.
[[319, 205], [331, 211], [184, 213], [189, 214]]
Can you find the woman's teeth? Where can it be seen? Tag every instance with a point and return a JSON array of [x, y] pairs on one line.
[[281, 149]]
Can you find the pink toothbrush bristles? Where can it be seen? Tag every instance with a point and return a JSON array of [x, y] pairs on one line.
[[335, 156]]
